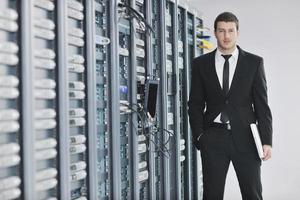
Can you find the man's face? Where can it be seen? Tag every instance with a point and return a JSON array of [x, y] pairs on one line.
[[226, 34]]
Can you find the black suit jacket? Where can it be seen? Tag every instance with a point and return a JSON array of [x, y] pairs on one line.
[[245, 103]]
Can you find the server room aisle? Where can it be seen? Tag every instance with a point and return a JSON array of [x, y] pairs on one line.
[[93, 99]]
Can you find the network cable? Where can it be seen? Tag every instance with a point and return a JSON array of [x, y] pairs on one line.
[[134, 14], [144, 118]]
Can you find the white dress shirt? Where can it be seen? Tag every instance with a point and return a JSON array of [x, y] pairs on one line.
[[219, 62]]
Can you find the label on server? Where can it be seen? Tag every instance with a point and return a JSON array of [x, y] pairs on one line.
[[45, 154], [78, 15], [45, 4], [168, 34], [142, 79], [142, 164], [9, 81], [45, 174], [142, 148], [140, 42], [45, 53], [168, 18], [76, 95], [180, 63], [52, 198], [7, 25], [43, 33], [9, 47], [169, 67], [10, 182], [9, 115], [170, 118], [140, 1], [81, 165], [75, 5], [76, 32], [44, 23], [76, 85], [125, 109], [9, 127], [81, 198], [140, 53], [77, 139], [75, 149], [45, 113], [45, 83], [78, 175], [141, 138], [140, 26], [10, 148], [182, 147], [78, 59], [45, 143], [140, 69], [143, 175], [9, 14], [169, 49], [8, 59], [76, 112], [182, 141], [76, 68], [78, 42], [182, 158], [123, 51], [180, 46], [9, 161], [44, 94], [46, 184], [44, 124], [10, 194], [44, 63]]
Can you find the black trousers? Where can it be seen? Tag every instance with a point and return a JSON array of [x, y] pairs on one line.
[[217, 151]]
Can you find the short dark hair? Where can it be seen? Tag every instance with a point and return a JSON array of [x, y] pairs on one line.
[[226, 17]]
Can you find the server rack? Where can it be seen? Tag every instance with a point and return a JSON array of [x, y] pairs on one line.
[[102, 89], [72, 106], [181, 95], [125, 95], [10, 101], [77, 98], [172, 164], [44, 101], [139, 75], [155, 62]]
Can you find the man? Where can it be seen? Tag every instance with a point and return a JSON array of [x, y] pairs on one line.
[[228, 93]]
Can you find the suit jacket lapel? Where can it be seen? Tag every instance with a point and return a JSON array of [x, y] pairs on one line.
[[237, 71]]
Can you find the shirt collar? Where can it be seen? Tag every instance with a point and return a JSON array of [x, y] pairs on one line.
[[235, 54]]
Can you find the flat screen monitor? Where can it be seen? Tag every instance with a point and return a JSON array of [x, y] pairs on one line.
[[151, 97]]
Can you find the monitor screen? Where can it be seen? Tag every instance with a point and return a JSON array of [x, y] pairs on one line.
[[151, 97]]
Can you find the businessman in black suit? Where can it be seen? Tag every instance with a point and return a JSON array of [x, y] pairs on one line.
[[229, 92]]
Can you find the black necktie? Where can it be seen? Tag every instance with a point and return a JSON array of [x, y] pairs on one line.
[[224, 116]]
